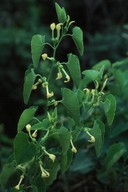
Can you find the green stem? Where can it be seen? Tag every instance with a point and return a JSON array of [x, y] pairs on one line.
[[54, 55]]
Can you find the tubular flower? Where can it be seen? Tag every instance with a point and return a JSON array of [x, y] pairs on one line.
[[44, 56], [44, 173], [92, 138], [28, 128], [66, 76], [51, 156], [34, 87], [73, 149], [52, 26], [87, 94], [93, 91], [34, 134], [59, 74], [45, 85], [58, 28], [18, 185]]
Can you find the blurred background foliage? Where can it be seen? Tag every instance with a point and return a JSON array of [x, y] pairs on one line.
[[104, 23]]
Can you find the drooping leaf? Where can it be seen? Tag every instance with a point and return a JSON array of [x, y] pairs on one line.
[[71, 103], [26, 117], [29, 79], [23, 149], [98, 131], [64, 137], [37, 45], [77, 36], [61, 13], [73, 65], [109, 107], [113, 155]]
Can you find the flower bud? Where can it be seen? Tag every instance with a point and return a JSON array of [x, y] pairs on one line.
[[49, 94], [52, 26], [58, 26], [45, 174], [59, 75], [52, 157], [39, 80], [44, 56], [34, 134], [18, 185], [28, 127], [92, 140], [74, 150], [67, 79], [34, 87]]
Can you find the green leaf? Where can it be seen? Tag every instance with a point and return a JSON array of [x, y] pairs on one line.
[[26, 117], [82, 162], [24, 150], [61, 13], [73, 65], [113, 155], [109, 107], [41, 125], [29, 80], [77, 36], [98, 131], [105, 63], [66, 160], [40, 184], [119, 77], [64, 138], [119, 128], [8, 171], [80, 96], [37, 45], [91, 75], [71, 103]]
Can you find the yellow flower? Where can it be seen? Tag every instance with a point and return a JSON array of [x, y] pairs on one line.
[[44, 173], [51, 156], [18, 185], [73, 149], [58, 26], [44, 56], [92, 138], [52, 26], [66, 76], [28, 127], [59, 75], [45, 85]]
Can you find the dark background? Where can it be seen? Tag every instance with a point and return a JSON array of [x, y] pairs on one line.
[[102, 21]]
